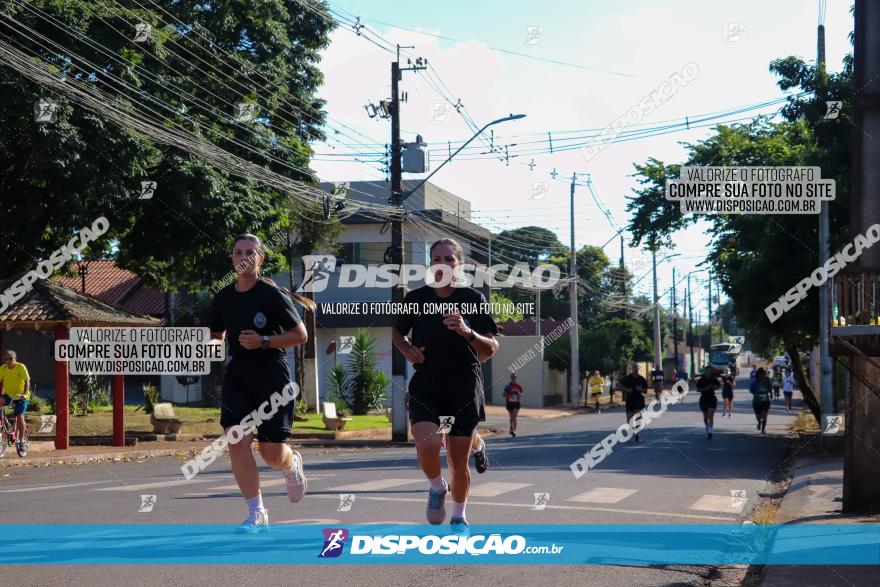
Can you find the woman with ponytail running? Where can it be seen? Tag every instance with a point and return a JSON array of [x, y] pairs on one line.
[[258, 321], [445, 350]]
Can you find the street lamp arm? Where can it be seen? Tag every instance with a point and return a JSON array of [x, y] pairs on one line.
[[466, 143]]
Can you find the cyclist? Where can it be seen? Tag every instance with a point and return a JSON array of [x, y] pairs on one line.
[[15, 382]]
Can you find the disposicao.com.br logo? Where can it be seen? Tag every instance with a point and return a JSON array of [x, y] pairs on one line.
[[453, 544], [320, 268]]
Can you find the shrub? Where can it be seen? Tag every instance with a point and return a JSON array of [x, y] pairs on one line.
[[151, 395]]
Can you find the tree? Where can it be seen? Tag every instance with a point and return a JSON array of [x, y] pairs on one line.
[[752, 255], [504, 306], [200, 59], [610, 347]]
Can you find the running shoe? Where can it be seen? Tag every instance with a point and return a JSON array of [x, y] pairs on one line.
[[436, 512], [513, 433], [481, 461], [296, 479], [709, 436], [459, 526], [759, 425], [258, 521]]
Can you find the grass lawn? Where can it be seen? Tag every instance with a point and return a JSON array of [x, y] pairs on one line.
[[196, 421]]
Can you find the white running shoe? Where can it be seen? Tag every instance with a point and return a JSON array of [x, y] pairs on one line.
[[296, 479], [258, 521]]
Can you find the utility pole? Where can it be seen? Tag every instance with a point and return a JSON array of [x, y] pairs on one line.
[[574, 387], [691, 325], [622, 278], [826, 390], [709, 316], [658, 360], [398, 363], [674, 322], [861, 469]]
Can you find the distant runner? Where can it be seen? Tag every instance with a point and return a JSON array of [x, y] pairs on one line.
[[706, 385], [761, 389], [513, 401], [728, 382], [596, 384], [634, 389], [788, 385]]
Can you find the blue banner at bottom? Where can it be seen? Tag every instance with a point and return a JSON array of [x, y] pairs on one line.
[[691, 544]]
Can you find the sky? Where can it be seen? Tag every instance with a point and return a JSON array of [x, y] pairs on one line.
[[612, 54]]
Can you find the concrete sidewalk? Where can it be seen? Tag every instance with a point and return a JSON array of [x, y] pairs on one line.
[[815, 496]]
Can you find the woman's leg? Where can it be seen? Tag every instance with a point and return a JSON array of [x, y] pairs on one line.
[[457, 455], [513, 414], [710, 418], [512, 419], [277, 455], [428, 448], [244, 466]]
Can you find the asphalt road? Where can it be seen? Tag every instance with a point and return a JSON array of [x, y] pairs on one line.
[[675, 475]]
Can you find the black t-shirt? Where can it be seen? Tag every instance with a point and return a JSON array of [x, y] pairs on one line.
[[728, 383], [657, 376], [264, 308], [707, 385], [638, 385], [444, 348]]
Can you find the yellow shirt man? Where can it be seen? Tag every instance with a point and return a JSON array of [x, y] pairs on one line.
[[596, 384], [14, 380]]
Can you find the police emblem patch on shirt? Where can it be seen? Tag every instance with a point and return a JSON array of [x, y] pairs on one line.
[[259, 320]]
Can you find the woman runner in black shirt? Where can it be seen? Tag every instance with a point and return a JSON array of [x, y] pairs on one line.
[[445, 350], [261, 322], [706, 385]]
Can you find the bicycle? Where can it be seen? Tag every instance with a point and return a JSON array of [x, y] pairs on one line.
[[7, 435]]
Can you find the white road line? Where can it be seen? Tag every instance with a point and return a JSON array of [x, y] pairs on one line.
[[495, 488], [268, 483], [603, 495], [719, 503], [45, 487], [377, 485], [551, 507], [156, 485]]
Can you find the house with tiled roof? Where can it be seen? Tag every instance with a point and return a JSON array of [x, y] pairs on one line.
[[118, 287]]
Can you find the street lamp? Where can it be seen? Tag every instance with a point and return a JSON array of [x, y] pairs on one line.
[[448, 159]]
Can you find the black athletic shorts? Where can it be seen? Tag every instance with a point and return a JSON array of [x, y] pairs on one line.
[[727, 394], [635, 405], [246, 386], [708, 401], [512, 406], [759, 407], [458, 394]]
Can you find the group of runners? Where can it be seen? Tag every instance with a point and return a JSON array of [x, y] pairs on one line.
[[259, 320]]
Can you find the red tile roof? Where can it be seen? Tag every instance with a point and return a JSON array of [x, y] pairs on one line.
[[52, 302], [116, 286]]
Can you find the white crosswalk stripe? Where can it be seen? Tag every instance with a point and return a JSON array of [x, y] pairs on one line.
[[719, 503], [377, 485], [496, 488], [156, 485], [603, 495]]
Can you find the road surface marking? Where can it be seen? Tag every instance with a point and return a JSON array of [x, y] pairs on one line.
[[719, 503], [377, 485], [156, 485], [496, 488], [603, 495], [269, 483], [44, 487], [550, 507]]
